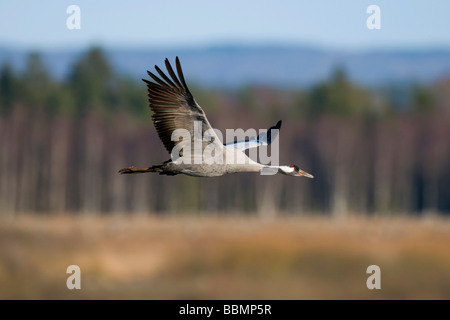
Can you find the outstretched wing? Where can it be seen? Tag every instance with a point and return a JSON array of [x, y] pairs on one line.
[[173, 106], [263, 139]]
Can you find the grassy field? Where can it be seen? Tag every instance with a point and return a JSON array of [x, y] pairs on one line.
[[223, 258]]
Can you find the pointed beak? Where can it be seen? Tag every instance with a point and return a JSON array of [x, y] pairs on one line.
[[302, 173]]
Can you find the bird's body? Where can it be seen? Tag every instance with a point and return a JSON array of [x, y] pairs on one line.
[[241, 163], [175, 111]]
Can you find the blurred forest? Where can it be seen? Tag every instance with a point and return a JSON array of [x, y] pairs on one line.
[[373, 151]]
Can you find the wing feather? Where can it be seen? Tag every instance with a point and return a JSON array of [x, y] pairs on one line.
[[163, 75], [155, 78], [172, 74], [173, 105], [263, 139]]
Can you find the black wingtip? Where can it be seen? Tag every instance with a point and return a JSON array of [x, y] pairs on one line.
[[269, 132], [278, 125]]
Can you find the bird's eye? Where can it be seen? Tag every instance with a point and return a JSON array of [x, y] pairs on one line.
[[291, 166]]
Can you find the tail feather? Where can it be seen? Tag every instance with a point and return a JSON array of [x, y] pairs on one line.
[[133, 170]]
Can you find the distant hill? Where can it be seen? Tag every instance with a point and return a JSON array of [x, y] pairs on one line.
[[232, 66]]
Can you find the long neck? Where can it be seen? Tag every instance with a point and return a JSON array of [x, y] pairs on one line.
[[271, 170]]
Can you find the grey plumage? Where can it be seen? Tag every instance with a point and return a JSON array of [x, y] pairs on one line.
[[174, 108]]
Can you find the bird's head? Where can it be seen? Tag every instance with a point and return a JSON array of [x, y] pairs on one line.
[[295, 171]]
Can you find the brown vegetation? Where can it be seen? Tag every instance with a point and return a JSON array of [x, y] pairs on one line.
[[224, 258]]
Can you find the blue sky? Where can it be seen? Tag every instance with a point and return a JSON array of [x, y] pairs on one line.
[[330, 24]]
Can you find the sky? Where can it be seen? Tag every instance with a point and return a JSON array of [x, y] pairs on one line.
[[409, 24]]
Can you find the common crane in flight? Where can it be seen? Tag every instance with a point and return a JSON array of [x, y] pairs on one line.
[[174, 108]]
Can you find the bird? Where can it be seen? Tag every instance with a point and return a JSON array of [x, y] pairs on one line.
[[174, 108]]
